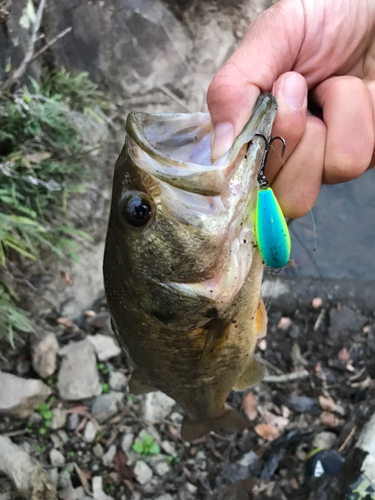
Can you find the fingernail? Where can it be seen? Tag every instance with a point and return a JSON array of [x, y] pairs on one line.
[[294, 90], [222, 139]]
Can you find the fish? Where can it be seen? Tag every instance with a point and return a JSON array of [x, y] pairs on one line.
[[182, 270]]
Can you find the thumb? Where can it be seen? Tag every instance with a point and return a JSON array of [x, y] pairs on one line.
[[269, 49]]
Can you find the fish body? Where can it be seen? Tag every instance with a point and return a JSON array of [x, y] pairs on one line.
[[182, 271]]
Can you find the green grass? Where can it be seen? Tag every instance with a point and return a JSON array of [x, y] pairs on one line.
[[43, 162]]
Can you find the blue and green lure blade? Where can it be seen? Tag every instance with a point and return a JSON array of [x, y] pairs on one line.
[[271, 230]]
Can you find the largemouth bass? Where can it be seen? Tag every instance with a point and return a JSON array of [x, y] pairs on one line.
[[182, 270]]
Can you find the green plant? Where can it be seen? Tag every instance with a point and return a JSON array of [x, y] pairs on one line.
[[45, 411], [40, 449], [42, 164], [105, 388], [103, 369], [70, 454], [146, 446]]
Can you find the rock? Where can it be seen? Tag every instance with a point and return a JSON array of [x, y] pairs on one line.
[[109, 455], [57, 458], [343, 322], [106, 406], [98, 450], [191, 488], [177, 418], [80, 493], [165, 496], [44, 355], [251, 462], [201, 460], [169, 448], [127, 442], [300, 404], [162, 468], [19, 397], [72, 422], [67, 493], [97, 489], [78, 376], [157, 407], [54, 475], [117, 381], [64, 479], [58, 418], [90, 432], [63, 436], [324, 440], [105, 346], [142, 472]]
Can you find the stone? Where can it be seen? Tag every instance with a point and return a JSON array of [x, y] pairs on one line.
[[58, 418], [201, 460], [251, 461], [57, 459], [106, 406], [44, 355], [105, 346], [64, 479], [98, 450], [157, 407], [78, 376], [19, 397], [67, 493], [162, 468], [90, 432], [127, 442], [109, 455], [165, 496], [169, 448], [97, 489], [80, 493], [324, 440], [72, 421], [343, 322], [117, 381], [54, 476], [142, 472]]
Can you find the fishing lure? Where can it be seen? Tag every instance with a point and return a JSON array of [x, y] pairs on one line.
[[271, 230]]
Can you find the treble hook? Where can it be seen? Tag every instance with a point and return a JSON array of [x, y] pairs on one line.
[[262, 179]]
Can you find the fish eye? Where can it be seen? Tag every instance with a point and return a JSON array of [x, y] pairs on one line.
[[136, 210]]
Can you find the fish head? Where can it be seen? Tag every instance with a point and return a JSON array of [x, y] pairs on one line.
[[180, 239]]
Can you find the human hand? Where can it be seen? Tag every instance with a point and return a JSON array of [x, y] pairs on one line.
[[326, 48]]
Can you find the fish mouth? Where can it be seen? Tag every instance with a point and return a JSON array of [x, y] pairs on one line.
[[175, 148]]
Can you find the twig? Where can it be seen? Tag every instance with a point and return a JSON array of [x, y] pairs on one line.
[[17, 74], [349, 437], [288, 377], [51, 42]]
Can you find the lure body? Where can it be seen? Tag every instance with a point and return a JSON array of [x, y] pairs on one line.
[[271, 230]]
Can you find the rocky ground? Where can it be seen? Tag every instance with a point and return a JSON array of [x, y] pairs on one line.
[[64, 401]]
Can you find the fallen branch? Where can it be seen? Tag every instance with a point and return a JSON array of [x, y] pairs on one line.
[[28, 476], [51, 42], [17, 74], [288, 377]]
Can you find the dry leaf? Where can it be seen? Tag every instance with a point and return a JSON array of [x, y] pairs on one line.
[[65, 322], [274, 420], [262, 344], [327, 404], [84, 476], [66, 278], [294, 483], [173, 432], [344, 355], [267, 432], [82, 410], [38, 157], [317, 302], [120, 464], [328, 418], [90, 314], [249, 406], [284, 323]]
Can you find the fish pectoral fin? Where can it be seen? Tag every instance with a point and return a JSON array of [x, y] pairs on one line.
[[253, 373], [261, 320], [138, 386], [229, 419]]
